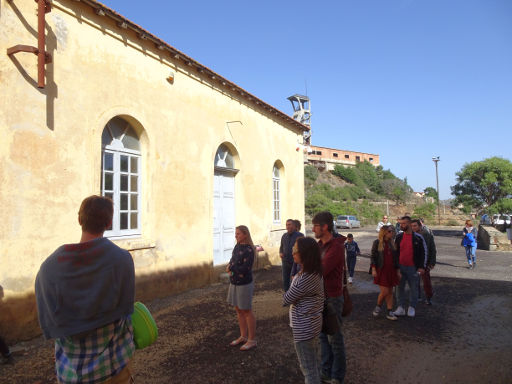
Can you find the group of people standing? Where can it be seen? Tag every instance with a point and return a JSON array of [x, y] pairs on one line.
[[312, 277], [402, 258], [313, 273], [93, 282]]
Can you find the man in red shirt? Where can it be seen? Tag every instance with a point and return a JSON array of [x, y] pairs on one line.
[[412, 256], [334, 363]]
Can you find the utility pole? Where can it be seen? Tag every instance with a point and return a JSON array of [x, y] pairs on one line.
[[436, 159]]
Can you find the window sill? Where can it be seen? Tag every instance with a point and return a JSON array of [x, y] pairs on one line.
[[134, 243]]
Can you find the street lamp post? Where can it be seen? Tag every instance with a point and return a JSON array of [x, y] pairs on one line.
[[436, 159]]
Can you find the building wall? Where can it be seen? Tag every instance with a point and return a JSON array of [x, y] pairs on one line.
[[50, 152], [332, 157]]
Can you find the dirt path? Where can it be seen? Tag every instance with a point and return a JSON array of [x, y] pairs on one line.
[[465, 337]]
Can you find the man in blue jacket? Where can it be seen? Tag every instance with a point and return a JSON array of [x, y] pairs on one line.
[[85, 293]]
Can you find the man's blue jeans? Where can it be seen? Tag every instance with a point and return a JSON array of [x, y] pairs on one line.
[[287, 271], [409, 275], [307, 353], [334, 362], [471, 254]]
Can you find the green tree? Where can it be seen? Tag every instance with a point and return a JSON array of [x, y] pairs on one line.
[[368, 174], [395, 189], [501, 206], [398, 194], [482, 184], [431, 192]]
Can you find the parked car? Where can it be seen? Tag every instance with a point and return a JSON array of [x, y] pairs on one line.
[[501, 219], [345, 221]]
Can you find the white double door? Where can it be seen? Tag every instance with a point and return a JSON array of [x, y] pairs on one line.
[[223, 217]]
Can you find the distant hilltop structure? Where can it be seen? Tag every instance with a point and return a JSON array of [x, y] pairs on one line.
[[327, 158], [322, 157]]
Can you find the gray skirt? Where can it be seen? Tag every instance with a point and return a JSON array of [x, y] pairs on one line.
[[241, 295]]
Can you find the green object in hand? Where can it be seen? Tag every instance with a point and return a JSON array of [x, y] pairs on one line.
[[145, 331]]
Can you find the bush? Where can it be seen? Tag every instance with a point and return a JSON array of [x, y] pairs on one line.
[[348, 174], [452, 223], [311, 173], [427, 210]]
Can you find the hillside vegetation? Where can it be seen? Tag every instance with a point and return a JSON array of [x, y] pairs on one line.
[[361, 190]]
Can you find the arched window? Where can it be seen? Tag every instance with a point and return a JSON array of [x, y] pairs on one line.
[[224, 158], [121, 176], [276, 194]]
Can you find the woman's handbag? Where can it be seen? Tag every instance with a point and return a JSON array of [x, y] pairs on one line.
[[329, 319], [145, 331]]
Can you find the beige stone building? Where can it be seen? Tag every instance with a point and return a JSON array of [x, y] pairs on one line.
[[185, 154], [328, 158]]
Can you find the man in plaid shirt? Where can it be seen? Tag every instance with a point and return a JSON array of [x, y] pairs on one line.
[[85, 293]]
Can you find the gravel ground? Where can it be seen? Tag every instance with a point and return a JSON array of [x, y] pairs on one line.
[[464, 337]]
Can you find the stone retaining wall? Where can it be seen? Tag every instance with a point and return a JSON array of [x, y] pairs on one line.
[[490, 239]]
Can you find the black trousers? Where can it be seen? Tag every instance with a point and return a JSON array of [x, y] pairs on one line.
[[4, 349]]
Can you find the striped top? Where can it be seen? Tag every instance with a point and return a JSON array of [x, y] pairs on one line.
[[306, 297]]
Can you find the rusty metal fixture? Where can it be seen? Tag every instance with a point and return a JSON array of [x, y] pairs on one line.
[[43, 57], [43, 7]]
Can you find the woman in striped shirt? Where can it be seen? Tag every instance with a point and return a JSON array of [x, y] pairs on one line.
[[306, 298]]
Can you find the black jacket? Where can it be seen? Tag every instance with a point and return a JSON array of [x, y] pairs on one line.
[[418, 248], [431, 247], [377, 259]]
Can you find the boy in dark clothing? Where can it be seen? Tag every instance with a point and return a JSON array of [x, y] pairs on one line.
[[352, 251]]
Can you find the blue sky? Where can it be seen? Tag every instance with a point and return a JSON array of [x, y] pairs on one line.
[[406, 79]]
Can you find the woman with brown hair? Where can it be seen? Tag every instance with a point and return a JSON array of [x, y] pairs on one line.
[[385, 269], [306, 299], [241, 287]]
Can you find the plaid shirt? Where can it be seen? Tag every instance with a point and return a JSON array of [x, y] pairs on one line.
[[95, 356]]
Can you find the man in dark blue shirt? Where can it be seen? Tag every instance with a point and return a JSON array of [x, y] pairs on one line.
[[285, 251]]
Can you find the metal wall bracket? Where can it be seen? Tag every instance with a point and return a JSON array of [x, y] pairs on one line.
[[43, 57]]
